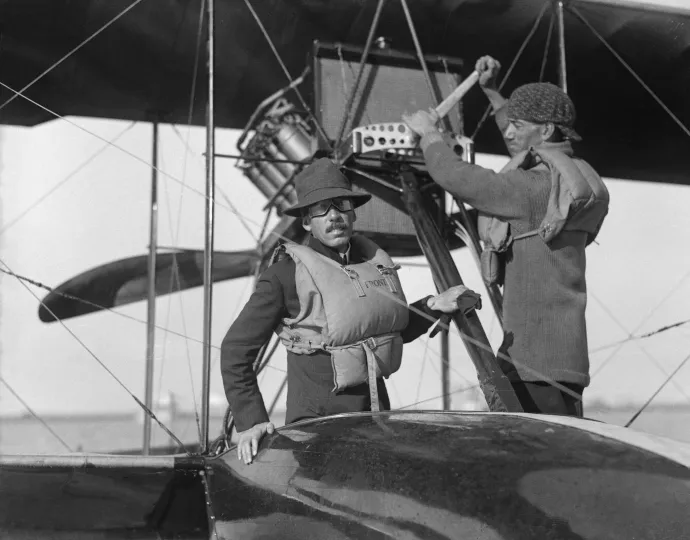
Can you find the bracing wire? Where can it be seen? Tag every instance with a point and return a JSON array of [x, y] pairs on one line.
[[653, 396], [536, 374], [522, 48], [547, 46], [108, 370], [649, 356], [98, 306], [175, 282], [35, 415], [458, 391], [620, 344], [11, 223], [176, 230], [632, 72], [421, 371], [19, 93], [139, 159], [290, 78], [75, 49]]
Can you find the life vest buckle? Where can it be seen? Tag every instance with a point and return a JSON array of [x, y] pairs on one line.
[[371, 343], [387, 272], [354, 279]]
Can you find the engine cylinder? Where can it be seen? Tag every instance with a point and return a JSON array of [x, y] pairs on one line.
[[292, 140]]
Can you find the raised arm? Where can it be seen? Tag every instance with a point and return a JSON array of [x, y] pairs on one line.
[[488, 69]]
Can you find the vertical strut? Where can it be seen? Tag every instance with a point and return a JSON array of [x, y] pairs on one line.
[[497, 389], [208, 243], [562, 68], [353, 92], [151, 314], [494, 291]]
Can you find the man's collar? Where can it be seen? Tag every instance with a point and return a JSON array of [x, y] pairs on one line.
[[565, 146], [329, 252]]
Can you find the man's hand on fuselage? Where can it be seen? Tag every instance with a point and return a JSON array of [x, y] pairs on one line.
[[248, 441]]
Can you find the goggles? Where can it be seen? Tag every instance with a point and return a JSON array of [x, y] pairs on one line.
[[321, 208]]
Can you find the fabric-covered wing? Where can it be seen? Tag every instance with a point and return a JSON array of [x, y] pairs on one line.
[[126, 281], [144, 62]]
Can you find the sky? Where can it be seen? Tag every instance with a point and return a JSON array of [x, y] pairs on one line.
[[64, 211]]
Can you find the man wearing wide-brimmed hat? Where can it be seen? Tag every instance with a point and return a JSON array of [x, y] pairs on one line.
[[535, 218], [337, 305]]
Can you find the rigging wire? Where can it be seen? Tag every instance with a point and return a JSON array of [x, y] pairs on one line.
[[93, 355], [669, 378], [538, 375], [420, 54], [175, 281], [649, 356], [477, 343], [35, 415], [421, 372], [630, 69], [104, 308], [618, 57], [290, 78], [547, 47], [65, 57], [66, 179], [139, 159], [458, 391], [642, 323], [522, 48], [237, 214], [175, 231]]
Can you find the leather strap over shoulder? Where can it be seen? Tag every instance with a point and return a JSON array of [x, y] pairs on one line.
[[525, 235]]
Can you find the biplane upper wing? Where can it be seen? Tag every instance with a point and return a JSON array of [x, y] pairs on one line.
[[141, 66]]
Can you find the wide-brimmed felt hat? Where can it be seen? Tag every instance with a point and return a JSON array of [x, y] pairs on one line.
[[323, 180], [543, 103]]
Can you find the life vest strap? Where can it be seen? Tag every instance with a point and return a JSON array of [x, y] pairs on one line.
[[371, 367]]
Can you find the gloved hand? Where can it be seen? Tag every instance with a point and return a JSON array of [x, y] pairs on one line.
[[454, 299], [488, 69], [422, 122], [458, 298]]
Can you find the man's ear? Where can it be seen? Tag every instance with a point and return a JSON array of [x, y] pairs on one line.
[[354, 216], [547, 130], [306, 223]]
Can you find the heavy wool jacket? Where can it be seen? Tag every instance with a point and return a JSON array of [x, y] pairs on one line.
[[545, 293]]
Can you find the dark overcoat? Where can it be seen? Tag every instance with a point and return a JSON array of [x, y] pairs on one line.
[[309, 377]]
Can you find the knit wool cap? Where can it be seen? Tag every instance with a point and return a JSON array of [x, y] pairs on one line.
[[542, 103], [323, 180]]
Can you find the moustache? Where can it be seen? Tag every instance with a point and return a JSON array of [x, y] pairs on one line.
[[338, 226]]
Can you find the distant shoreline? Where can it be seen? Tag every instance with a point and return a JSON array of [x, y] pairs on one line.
[[134, 414]]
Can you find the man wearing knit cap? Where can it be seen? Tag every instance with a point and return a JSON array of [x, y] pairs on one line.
[[535, 219], [337, 305]]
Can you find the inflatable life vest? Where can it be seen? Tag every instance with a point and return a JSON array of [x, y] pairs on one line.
[[355, 312], [578, 201]]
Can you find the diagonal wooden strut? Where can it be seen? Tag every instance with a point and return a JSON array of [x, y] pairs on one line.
[[497, 389]]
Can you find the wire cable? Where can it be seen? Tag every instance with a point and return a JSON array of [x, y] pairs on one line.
[[65, 57]]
